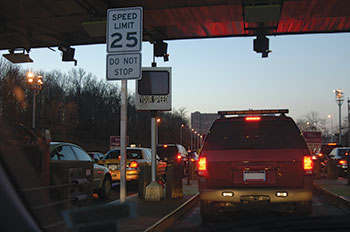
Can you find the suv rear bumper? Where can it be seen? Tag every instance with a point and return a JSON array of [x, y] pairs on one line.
[[255, 194]]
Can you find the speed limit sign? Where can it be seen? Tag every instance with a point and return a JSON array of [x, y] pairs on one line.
[[124, 29]]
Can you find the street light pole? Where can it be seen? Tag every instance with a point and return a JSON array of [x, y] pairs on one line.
[[348, 132], [192, 130], [182, 126], [36, 83], [339, 98], [34, 107], [331, 124]]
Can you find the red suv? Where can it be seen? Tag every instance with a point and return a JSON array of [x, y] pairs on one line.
[[254, 157]]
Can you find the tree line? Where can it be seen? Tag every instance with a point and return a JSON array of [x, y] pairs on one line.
[[77, 107]]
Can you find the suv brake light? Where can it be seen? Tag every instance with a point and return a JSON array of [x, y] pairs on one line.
[[202, 166], [252, 119], [342, 161], [308, 164]]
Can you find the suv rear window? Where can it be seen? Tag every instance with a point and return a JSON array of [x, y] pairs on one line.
[[236, 133], [342, 153], [130, 153], [170, 152]]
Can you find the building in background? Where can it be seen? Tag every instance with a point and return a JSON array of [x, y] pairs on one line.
[[202, 122]]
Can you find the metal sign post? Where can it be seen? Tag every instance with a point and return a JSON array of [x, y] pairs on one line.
[[153, 93], [123, 130], [124, 42], [153, 144]]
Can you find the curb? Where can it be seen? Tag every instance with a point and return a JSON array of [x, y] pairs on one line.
[[339, 200], [172, 217]]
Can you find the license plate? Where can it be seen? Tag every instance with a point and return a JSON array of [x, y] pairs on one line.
[[254, 176]]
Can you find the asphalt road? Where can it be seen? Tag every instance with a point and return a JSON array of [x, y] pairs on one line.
[[131, 188], [324, 211]]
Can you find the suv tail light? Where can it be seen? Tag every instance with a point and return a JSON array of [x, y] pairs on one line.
[[133, 164], [202, 166], [342, 161], [178, 157], [308, 164]]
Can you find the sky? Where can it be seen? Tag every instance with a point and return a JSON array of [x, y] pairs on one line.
[[208, 75]]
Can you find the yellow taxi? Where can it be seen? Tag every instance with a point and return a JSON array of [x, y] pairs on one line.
[[136, 156]]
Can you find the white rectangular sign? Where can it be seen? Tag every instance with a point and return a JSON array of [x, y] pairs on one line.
[[124, 66], [124, 29]]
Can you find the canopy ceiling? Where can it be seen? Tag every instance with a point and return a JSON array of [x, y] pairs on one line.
[[42, 23]]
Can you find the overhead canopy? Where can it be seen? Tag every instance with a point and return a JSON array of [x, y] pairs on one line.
[[42, 23]]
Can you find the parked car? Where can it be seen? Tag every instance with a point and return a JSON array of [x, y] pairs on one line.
[[95, 155], [102, 184], [254, 158], [340, 155], [173, 154], [135, 157]]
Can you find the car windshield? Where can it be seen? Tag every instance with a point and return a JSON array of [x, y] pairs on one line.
[[266, 134]]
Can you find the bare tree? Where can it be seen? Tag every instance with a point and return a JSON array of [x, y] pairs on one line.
[[311, 122]]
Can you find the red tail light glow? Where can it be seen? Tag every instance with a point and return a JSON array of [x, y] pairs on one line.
[[178, 157], [252, 119], [133, 164], [308, 164], [342, 161], [202, 166]]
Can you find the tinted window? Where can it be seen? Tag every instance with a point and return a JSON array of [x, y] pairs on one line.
[[63, 153], [82, 155], [170, 152], [113, 154], [342, 153], [154, 83], [265, 134]]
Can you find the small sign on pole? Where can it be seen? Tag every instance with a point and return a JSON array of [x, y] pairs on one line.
[[153, 91]]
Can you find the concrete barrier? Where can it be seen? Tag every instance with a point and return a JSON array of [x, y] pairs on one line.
[[332, 169], [174, 175], [317, 169], [144, 180]]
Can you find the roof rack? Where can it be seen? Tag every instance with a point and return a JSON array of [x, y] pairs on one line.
[[253, 112]]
